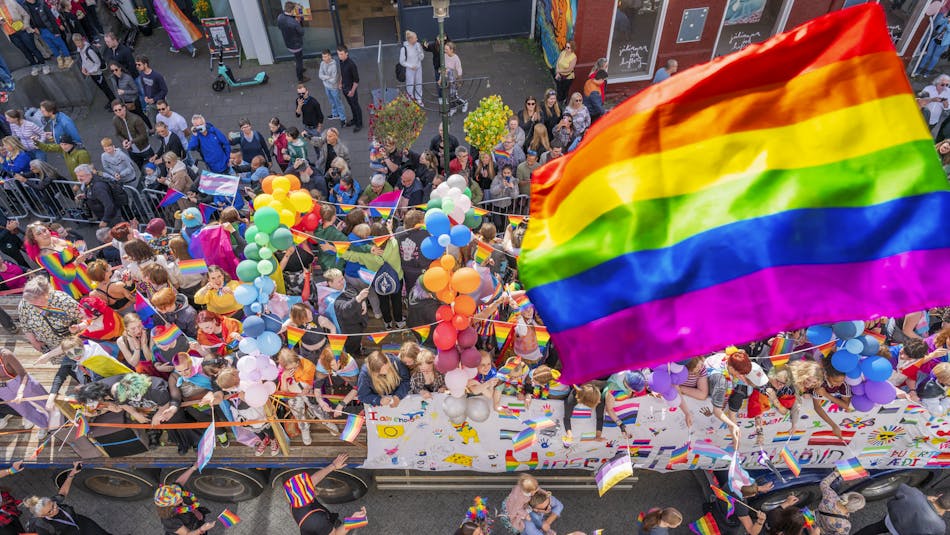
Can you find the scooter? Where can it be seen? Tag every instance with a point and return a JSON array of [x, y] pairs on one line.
[[226, 78]]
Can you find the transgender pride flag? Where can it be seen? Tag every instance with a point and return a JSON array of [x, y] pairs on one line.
[[215, 184]]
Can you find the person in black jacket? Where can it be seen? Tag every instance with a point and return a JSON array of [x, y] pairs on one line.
[[116, 51], [292, 31], [169, 142], [911, 511], [95, 191], [349, 82], [44, 22], [52, 516], [348, 309], [308, 109]]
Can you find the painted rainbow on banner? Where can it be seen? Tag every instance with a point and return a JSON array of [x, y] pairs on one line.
[[795, 174], [524, 440]]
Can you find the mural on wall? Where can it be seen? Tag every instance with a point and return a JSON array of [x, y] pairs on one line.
[[556, 23], [744, 12]]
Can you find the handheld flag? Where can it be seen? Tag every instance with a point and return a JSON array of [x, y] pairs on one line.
[[705, 526], [650, 294], [355, 522], [851, 469], [206, 446], [299, 490], [228, 519], [354, 424], [790, 461], [194, 266], [810, 519], [206, 211], [144, 309], [724, 496], [216, 184], [167, 335], [614, 471], [171, 197], [679, 456], [738, 477], [82, 425]]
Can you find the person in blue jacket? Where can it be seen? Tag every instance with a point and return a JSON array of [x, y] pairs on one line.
[[58, 123], [347, 191], [383, 381], [15, 158], [213, 145]]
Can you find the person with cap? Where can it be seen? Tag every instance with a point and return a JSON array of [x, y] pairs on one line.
[[834, 511], [179, 510], [73, 154], [311, 516], [52, 516], [630, 383]]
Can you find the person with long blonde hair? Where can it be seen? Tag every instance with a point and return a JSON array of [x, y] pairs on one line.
[[336, 376], [383, 380], [661, 521]]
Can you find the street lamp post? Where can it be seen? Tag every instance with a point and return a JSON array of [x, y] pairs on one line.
[[440, 11]]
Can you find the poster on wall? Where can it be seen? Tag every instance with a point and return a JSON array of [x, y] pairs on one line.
[[556, 20], [530, 436], [744, 12]]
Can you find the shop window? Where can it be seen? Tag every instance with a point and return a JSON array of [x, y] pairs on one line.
[[317, 27], [635, 36], [746, 22]]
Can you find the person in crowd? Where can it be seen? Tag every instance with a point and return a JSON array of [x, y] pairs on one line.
[[135, 348], [410, 57], [53, 516], [669, 69], [308, 111], [20, 391], [412, 189], [178, 178], [16, 26], [529, 116], [512, 378], [728, 371], [229, 381], [127, 91], [10, 512], [117, 164], [834, 388], [504, 188], [564, 131], [297, 376], [594, 95], [278, 143], [26, 131], [564, 70], [377, 186], [383, 381], [44, 22], [436, 145], [312, 517], [72, 153], [425, 379], [153, 83], [175, 122], [179, 510], [349, 83], [190, 283], [211, 143], [427, 169], [218, 294], [328, 231], [132, 131], [174, 309], [101, 322], [696, 385], [453, 72], [661, 521], [462, 163], [834, 511], [337, 376], [346, 191], [515, 131], [932, 391], [192, 397], [11, 276], [550, 110], [15, 158], [251, 142], [116, 51], [314, 339], [514, 510], [44, 175], [168, 142], [934, 100], [912, 511], [508, 152], [484, 172], [57, 124], [330, 76], [218, 334], [288, 22], [589, 396], [97, 195], [524, 170], [579, 114], [330, 148], [60, 258], [345, 307], [543, 510]]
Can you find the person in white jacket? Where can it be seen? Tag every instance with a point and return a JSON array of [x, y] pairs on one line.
[[93, 66], [410, 56]]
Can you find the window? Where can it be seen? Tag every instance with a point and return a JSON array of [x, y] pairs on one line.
[[317, 27], [633, 41], [746, 22]]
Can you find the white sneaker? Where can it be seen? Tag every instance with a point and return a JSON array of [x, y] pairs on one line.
[[401, 324], [5, 420], [464, 106], [41, 436], [46, 69], [27, 424], [305, 437], [35, 71]]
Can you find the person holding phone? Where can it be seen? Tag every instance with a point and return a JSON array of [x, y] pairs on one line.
[[934, 100], [52, 516]]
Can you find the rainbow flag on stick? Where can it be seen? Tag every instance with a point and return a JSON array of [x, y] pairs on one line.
[[483, 251], [337, 341], [705, 526], [195, 266], [790, 461], [294, 335], [851, 469], [515, 220], [171, 197], [613, 471], [724, 496], [543, 336], [355, 522], [354, 424], [228, 519], [635, 293], [82, 425], [810, 519]]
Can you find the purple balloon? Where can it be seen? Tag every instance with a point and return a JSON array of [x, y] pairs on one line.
[[487, 287], [660, 381], [881, 392], [680, 377], [467, 338], [470, 357], [671, 393], [675, 402], [858, 389], [447, 360], [862, 403]]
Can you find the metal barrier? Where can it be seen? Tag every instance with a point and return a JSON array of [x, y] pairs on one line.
[[519, 205]]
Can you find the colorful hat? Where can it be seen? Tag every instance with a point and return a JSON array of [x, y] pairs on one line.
[[634, 381], [167, 495], [299, 490], [191, 217]]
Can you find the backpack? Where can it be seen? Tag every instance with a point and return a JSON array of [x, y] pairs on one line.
[[400, 69], [118, 193], [386, 281]]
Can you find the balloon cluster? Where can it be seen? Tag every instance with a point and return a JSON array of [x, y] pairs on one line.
[[257, 373], [665, 379], [449, 217], [857, 357]]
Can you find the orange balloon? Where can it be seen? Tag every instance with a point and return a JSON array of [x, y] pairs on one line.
[[466, 280], [267, 185], [435, 264], [448, 262], [435, 279], [294, 182], [447, 295], [464, 304]]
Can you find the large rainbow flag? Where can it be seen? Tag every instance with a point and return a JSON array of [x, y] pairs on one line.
[[689, 212]]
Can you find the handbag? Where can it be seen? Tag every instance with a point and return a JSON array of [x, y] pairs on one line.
[[400, 69]]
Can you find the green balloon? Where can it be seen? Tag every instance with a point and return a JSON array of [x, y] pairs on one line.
[[266, 253], [448, 206], [262, 239], [265, 267], [267, 220], [247, 270], [252, 251], [468, 192], [282, 239], [434, 203], [250, 233], [472, 220]]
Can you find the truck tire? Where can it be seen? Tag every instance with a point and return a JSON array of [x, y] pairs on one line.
[[808, 495], [341, 486], [883, 486], [127, 485], [223, 484]]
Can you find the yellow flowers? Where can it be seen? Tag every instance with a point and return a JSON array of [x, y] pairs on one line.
[[487, 125]]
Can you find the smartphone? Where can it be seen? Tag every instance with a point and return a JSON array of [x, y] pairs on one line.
[[79, 467]]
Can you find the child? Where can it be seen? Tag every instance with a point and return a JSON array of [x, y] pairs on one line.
[[229, 382], [426, 380], [296, 146], [780, 391], [297, 376], [511, 382], [834, 388], [486, 380], [526, 339], [589, 396], [514, 510], [151, 175], [933, 390], [544, 384], [660, 521], [696, 385], [408, 355]]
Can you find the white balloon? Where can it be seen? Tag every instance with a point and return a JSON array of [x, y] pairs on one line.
[[479, 408], [270, 387], [458, 214], [269, 374], [454, 194], [455, 382], [246, 363], [470, 372], [457, 182], [464, 203], [252, 376], [453, 407], [256, 395], [675, 368]]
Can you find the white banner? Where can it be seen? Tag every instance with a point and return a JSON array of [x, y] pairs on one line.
[[418, 435]]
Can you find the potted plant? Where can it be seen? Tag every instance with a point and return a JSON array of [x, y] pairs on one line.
[[487, 125]]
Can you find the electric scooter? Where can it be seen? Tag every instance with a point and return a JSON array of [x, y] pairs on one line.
[[226, 78]]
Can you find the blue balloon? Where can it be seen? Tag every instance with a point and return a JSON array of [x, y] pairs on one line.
[[255, 308], [266, 285], [854, 345], [245, 294], [818, 334], [844, 330], [269, 343], [253, 326], [444, 240], [437, 223], [871, 345], [855, 373], [247, 345], [844, 361], [876, 368], [272, 323], [431, 249], [460, 235]]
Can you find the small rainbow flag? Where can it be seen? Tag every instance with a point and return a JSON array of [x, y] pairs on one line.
[[502, 330], [515, 220], [39, 449], [810, 519], [341, 246], [294, 335], [705, 526], [228, 519], [851, 469], [82, 425], [171, 197], [543, 336], [724, 496], [378, 338], [826, 348], [299, 490], [355, 522], [781, 345], [379, 241], [354, 424], [790, 461], [337, 341], [206, 211], [479, 211], [483, 251], [383, 212], [298, 236], [422, 331], [168, 335], [499, 153], [679, 455], [524, 440], [521, 300], [347, 208], [195, 266]]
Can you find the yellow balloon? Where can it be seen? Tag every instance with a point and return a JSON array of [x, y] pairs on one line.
[[301, 201], [280, 193], [276, 205], [287, 218], [262, 200], [281, 182]]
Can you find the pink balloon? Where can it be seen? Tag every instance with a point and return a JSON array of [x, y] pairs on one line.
[[467, 338], [933, 8], [256, 395], [470, 372], [470, 357], [447, 360], [487, 287], [455, 382]]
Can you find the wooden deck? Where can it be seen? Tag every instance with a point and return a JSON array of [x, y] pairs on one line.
[[16, 445]]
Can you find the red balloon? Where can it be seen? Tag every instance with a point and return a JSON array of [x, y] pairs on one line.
[[461, 322], [444, 313], [310, 221], [445, 336], [471, 358], [467, 338], [447, 360]]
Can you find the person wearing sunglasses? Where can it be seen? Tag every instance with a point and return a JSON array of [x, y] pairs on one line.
[[564, 71], [529, 115], [934, 100]]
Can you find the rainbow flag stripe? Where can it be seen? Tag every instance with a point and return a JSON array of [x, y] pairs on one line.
[[814, 202], [810, 519], [502, 331], [851, 469], [524, 440], [543, 336], [790, 461], [354, 424], [705, 526], [423, 331], [337, 341], [168, 335], [679, 455], [515, 220], [378, 338], [483, 251], [355, 522], [195, 266], [294, 335], [299, 490], [479, 211], [298, 237], [228, 518], [724, 496], [82, 426]]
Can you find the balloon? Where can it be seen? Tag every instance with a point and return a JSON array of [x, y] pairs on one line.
[[818, 334], [444, 336], [310, 221], [248, 345], [464, 203], [455, 381], [266, 285], [876, 368], [262, 200], [681, 376], [250, 233], [447, 262], [281, 182], [256, 395], [487, 287], [862, 403], [461, 322], [265, 253], [460, 235], [267, 219], [444, 313], [301, 201], [246, 363], [262, 240], [447, 295], [672, 393], [854, 381], [464, 304], [458, 217], [857, 390], [269, 373], [251, 375], [472, 220], [478, 409], [267, 185], [444, 240], [844, 360], [467, 338], [435, 279], [453, 407], [855, 373], [269, 343], [437, 223], [287, 218], [457, 420], [434, 202], [282, 239], [448, 206], [270, 387], [845, 330], [881, 392], [661, 381], [447, 360], [265, 267], [471, 358], [245, 294], [252, 251], [253, 326], [675, 402], [247, 270], [870, 345], [431, 249], [854, 345], [466, 280], [456, 182]]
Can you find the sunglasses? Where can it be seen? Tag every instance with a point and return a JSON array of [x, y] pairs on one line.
[[530, 103], [301, 94], [162, 109]]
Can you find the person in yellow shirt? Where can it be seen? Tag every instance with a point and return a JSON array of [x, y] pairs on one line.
[[218, 294]]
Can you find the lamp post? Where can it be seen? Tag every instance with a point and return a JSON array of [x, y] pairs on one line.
[[440, 11]]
